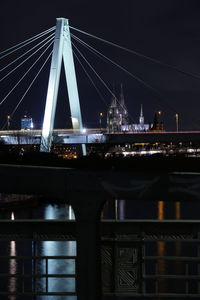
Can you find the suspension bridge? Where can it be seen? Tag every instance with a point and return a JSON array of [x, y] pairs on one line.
[[65, 49]]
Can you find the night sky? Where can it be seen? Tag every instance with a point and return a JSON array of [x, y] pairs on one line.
[[165, 30]]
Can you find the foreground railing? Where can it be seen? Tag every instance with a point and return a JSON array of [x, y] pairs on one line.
[[114, 258], [34, 277], [151, 259], [32, 274], [139, 258]]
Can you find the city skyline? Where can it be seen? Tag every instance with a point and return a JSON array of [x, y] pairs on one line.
[[167, 32]]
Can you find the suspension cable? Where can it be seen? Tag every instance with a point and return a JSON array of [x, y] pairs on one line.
[[26, 42], [94, 71], [154, 60], [105, 58], [103, 82], [93, 50], [49, 40], [26, 52], [25, 73], [98, 91], [22, 98], [99, 54]]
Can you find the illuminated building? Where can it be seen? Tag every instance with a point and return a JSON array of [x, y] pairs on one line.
[[117, 115], [118, 121], [157, 125], [141, 126], [26, 122]]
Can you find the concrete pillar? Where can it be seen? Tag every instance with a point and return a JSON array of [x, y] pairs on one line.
[[87, 208]]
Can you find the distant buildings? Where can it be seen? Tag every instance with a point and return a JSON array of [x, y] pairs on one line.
[[26, 122], [118, 120], [117, 115]]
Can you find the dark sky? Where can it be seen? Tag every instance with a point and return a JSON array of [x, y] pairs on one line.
[[166, 30]]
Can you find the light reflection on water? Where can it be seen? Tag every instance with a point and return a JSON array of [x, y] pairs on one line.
[[162, 265], [48, 248], [12, 267], [57, 248], [161, 251]]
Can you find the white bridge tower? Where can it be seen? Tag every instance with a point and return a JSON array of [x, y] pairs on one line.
[[62, 50]]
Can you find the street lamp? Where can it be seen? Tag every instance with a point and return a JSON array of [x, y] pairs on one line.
[[100, 119], [8, 122], [176, 122], [83, 130]]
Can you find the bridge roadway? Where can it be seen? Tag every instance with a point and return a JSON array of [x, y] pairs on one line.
[[96, 135]]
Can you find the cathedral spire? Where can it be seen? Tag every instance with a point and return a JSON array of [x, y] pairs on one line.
[[113, 99], [122, 96], [141, 118], [141, 111]]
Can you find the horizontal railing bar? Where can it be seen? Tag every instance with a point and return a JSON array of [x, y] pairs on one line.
[[172, 240], [104, 221], [152, 295], [176, 258], [40, 230], [38, 294], [9, 239], [143, 221], [38, 221], [107, 240], [184, 277], [38, 257], [121, 240], [37, 229], [38, 275]]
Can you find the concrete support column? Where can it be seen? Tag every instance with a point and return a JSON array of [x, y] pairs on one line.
[[88, 261], [87, 209]]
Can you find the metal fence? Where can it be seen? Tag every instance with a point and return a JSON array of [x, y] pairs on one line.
[[21, 275], [151, 259], [139, 258]]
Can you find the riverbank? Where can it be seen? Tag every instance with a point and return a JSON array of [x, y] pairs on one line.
[[159, 163]]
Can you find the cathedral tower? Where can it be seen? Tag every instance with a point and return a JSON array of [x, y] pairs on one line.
[[117, 114]]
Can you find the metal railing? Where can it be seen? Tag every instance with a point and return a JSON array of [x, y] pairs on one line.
[[25, 279], [130, 261], [140, 258], [146, 258], [35, 291]]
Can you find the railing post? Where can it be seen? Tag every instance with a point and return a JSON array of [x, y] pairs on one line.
[[87, 209], [198, 266]]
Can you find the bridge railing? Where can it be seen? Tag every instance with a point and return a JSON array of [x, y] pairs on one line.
[[151, 259], [23, 274], [134, 258], [117, 248]]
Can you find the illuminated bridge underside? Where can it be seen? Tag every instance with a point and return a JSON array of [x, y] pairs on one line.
[[93, 136], [33, 137]]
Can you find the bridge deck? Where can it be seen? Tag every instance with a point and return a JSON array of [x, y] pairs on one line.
[[93, 136]]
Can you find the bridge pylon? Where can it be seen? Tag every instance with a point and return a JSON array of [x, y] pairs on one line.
[[62, 51]]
